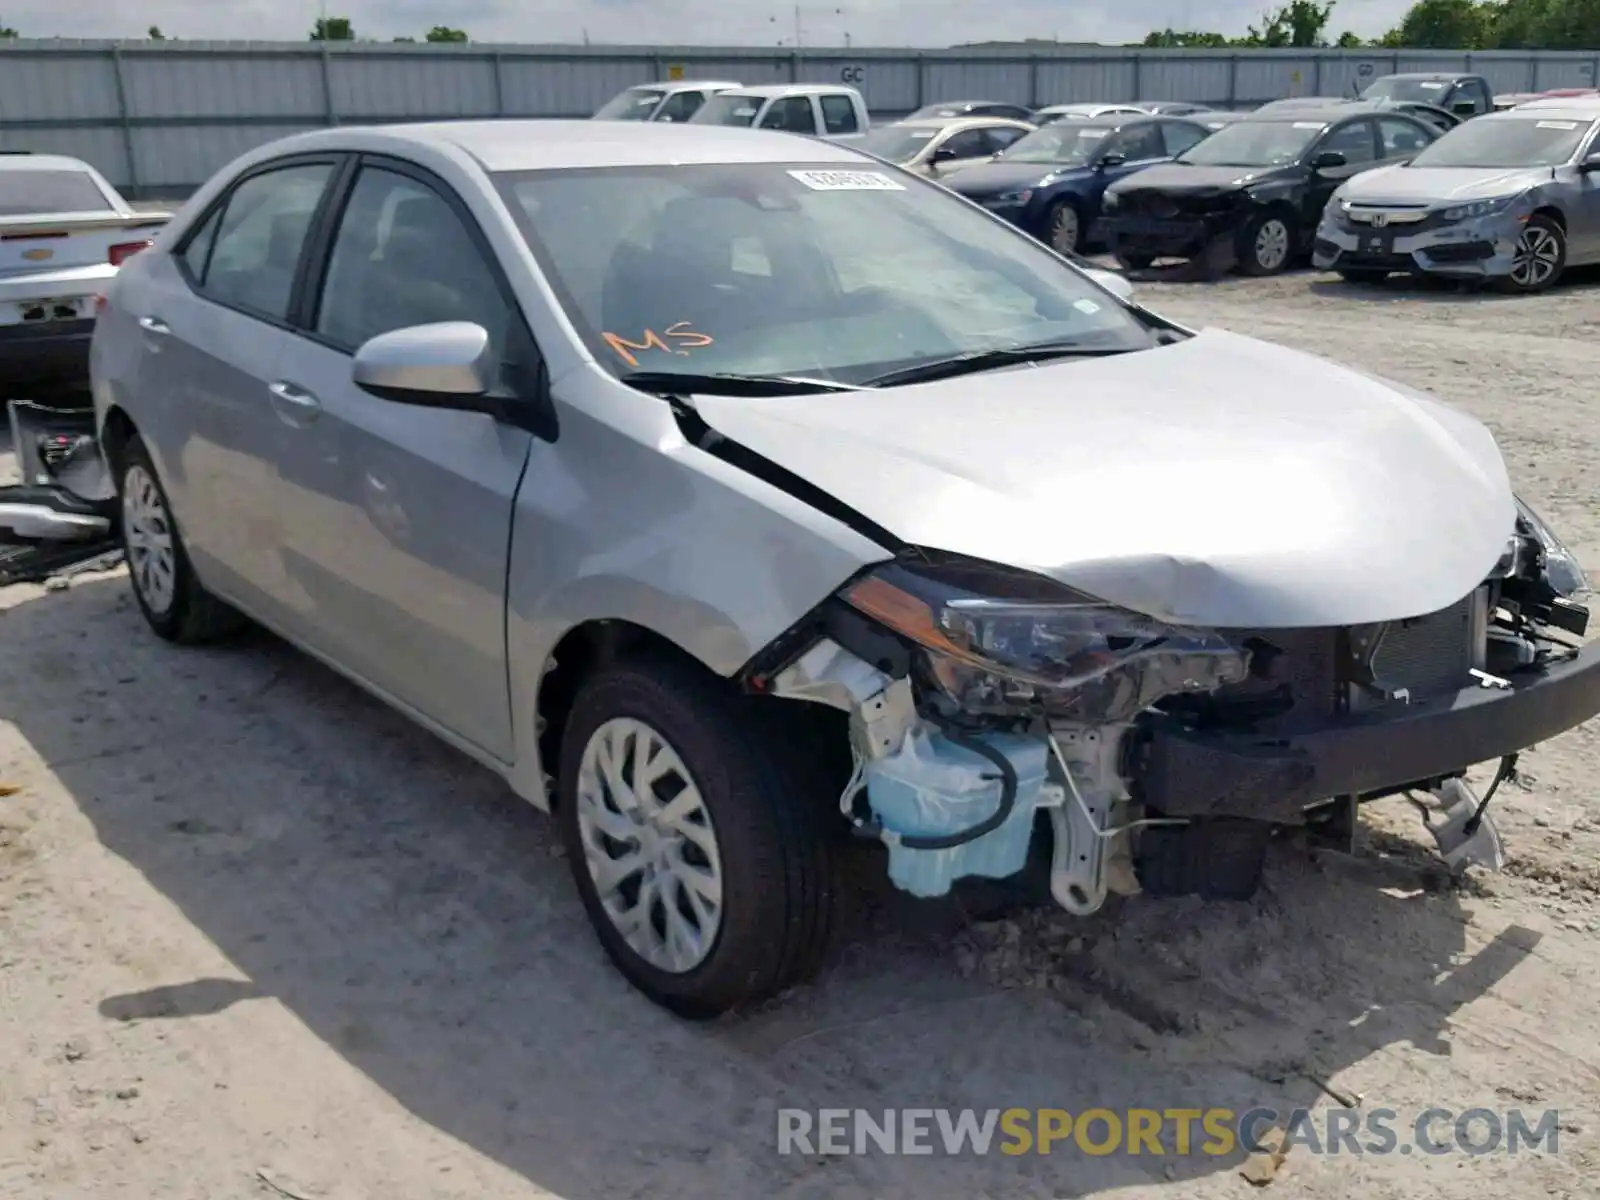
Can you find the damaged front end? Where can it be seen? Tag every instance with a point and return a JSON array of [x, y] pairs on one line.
[[988, 704]]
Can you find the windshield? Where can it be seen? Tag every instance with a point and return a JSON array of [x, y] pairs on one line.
[[1506, 142], [1066, 143], [897, 145], [1254, 144], [796, 269], [1392, 87], [728, 108], [635, 104], [35, 193]]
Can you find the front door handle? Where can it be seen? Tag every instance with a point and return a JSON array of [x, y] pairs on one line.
[[293, 402], [154, 325]]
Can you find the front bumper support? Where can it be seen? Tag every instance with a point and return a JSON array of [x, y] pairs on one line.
[[1199, 773]]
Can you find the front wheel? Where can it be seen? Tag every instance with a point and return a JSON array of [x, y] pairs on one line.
[[1065, 227], [1265, 245], [696, 847], [1540, 258]]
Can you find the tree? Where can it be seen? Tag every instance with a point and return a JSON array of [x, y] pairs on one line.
[[412, 40], [155, 35], [443, 33], [1443, 25], [333, 29], [1298, 23], [1349, 41], [1171, 39], [7, 33]]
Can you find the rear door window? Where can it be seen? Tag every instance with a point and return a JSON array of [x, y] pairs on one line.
[[1355, 141], [681, 106], [1400, 138], [260, 237], [1001, 136], [792, 114], [1180, 135]]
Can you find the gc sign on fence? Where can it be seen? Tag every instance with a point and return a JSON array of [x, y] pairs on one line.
[[854, 74]]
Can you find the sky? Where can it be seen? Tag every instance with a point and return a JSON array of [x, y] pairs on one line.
[[672, 22]]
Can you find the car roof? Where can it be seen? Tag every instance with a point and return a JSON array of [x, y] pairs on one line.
[[1335, 110], [532, 145], [956, 123], [970, 103], [684, 85], [29, 161], [1585, 108], [1427, 75], [793, 89]]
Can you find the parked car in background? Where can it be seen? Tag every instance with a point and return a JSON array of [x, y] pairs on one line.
[[1215, 120], [1463, 95], [935, 147], [673, 100], [64, 232], [1057, 112], [1289, 102], [1050, 182], [1512, 197], [1441, 119], [972, 108], [685, 479], [1252, 193], [1169, 108], [818, 109], [1505, 100]]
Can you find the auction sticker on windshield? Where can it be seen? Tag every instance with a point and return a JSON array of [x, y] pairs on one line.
[[848, 181]]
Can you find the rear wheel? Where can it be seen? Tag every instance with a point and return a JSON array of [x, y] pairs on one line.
[[1266, 245], [168, 592], [696, 846], [1540, 258]]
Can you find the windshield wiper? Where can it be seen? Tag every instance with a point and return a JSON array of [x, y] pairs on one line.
[[985, 360], [728, 384]]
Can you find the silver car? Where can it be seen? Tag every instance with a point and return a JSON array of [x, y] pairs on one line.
[[1512, 196], [727, 491]]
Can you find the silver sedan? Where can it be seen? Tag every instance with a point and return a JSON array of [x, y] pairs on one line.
[[727, 491]]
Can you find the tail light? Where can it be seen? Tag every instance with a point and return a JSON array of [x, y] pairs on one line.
[[99, 304], [123, 251]]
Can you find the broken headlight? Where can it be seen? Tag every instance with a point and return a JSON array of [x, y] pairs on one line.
[[994, 640], [1561, 569]]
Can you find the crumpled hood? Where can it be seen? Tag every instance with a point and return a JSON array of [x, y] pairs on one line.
[[988, 179], [1175, 177], [1223, 481], [1413, 185]]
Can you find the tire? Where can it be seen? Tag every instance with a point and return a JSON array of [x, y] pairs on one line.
[[1360, 275], [771, 854], [1063, 227], [1134, 262], [1541, 257], [1254, 243], [164, 584]]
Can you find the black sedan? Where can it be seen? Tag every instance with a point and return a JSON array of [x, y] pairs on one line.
[[1252, 193]]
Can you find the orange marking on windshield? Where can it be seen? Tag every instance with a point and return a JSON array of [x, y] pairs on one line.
[[677, 338]]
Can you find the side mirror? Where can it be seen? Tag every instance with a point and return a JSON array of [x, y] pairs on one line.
[[1464, 108], [1113, 159], [1327, 160], [943, 153], [447, 365]]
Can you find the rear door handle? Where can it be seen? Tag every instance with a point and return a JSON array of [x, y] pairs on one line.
[[154, 325], [295, 403]]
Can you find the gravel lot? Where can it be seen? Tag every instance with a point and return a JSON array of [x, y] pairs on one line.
[[257, 932]]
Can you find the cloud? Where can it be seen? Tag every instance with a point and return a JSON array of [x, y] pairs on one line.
[[926, 23]]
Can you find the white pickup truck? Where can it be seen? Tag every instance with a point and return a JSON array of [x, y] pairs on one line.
[[818, 109], [672, 100], [64, 231]]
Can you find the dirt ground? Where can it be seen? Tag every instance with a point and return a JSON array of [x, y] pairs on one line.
[[259, 936]]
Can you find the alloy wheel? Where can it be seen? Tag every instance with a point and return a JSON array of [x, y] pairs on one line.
[[1064, 229], [147, 533], [1272, 244], [649, 845], [1537, 257]]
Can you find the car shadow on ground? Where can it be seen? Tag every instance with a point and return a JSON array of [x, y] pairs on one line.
[[1434, 290], [417, 919]]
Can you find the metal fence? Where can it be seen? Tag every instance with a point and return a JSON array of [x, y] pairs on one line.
[[158, 118]]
